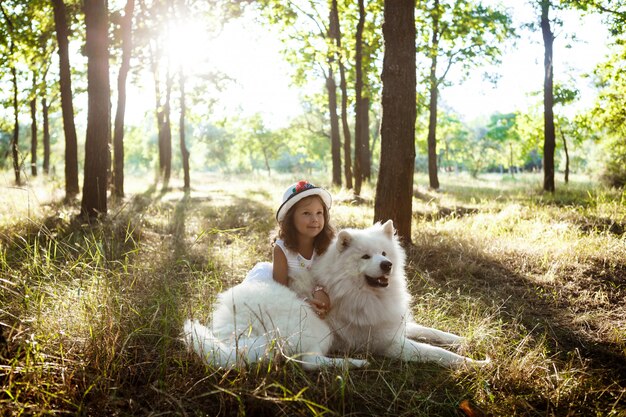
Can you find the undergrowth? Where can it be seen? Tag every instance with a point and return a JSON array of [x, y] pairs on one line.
[[91, 314]]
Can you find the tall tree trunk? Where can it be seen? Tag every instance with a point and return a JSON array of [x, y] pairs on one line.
[[394, 190], [366, 166], [163, 119], [167, 130], [46, 135], [335, 34], [33, 128], [45, 110], [118, 133], [347, 137], [566, 156], [432, 107], [67, 107], [549, 143], [184, 152], [335, 141], [331, 87], [511, 159], [358, 87], [16, 125], [97, 158]]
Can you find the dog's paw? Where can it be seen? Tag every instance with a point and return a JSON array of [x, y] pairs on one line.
[[474, 363], [358, 363]]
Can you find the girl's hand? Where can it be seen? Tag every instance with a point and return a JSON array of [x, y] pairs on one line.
[[320, 302]]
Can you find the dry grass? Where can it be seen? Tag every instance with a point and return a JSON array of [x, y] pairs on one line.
[[91, 315]]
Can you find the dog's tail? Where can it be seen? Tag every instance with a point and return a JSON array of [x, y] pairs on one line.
[[215, 353], [201, 340]]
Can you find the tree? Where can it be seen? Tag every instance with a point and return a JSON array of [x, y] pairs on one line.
[[118, 134], [360, 123], [502, 130], [12, 33], [67, 107], [394, 190], [184, 153], [331, 87], [33, 127], [97, 157], [316, 55], [564, 96], [549, 141], [335, 34], [608, 116], [460, 32]]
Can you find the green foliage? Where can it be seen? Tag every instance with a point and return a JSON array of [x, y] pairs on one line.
[[469, 35], [609, 114]]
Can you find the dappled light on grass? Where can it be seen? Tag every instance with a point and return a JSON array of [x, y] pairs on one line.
[[92, 314]]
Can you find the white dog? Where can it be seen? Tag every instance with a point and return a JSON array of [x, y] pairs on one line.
[[254, 320], [363, 273]]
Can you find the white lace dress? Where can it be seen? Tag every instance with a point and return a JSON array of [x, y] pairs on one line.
[[297, 269]]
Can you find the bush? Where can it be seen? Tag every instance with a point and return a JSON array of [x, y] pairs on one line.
[[614, 173]]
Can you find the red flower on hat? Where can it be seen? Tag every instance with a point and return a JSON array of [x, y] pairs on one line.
[[302, 185]]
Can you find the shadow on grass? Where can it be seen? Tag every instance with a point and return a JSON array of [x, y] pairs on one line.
[[542, 308], [163, 377]]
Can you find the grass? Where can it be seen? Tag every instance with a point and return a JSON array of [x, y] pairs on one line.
[[91, 315]]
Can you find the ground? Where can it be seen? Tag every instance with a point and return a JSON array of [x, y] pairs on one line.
[[91, 314]]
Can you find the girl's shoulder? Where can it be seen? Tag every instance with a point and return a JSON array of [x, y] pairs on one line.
[[281, 244]]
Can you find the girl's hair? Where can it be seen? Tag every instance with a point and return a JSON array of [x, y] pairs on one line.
[[288, 233]]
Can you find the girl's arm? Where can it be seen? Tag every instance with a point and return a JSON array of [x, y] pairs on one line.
[[279, 267], [320, 301]]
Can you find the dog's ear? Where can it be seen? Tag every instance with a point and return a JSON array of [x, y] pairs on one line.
[[343, 240], [388, 229]]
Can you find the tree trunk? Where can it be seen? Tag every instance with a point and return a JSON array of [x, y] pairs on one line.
[[366, 166], [511, 159], [358, 123], [33, 128], [347, 136], [163, 119], [394, 190], [118, 133], [67, 107], [432, 107], [335, 33], [45, 110], [46, 135], [184, 153], [97, 158], [566, 156], [549, 143], [167, 131], [335, 141], [16, 126]]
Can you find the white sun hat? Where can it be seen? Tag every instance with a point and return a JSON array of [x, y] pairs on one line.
[[297, 192]]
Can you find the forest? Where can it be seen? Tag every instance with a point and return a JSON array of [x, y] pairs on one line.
[[136, 188]]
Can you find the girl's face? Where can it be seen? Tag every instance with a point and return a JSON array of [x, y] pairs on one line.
[[308, 217]]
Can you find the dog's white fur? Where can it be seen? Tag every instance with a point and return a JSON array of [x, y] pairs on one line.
[[363, 273], [254, 320], [364, 276]]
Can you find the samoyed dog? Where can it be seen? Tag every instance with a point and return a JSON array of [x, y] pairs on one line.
[[257, 320], [363, 274]]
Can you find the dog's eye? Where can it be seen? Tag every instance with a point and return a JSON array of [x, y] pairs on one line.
[[384, 253], [365, 257]]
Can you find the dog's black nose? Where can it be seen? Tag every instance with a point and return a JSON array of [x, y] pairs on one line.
[[385, 266]]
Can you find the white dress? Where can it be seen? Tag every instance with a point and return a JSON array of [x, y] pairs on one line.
[[297, 265]]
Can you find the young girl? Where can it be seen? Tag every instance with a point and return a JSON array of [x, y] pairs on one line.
[[304, 233]]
